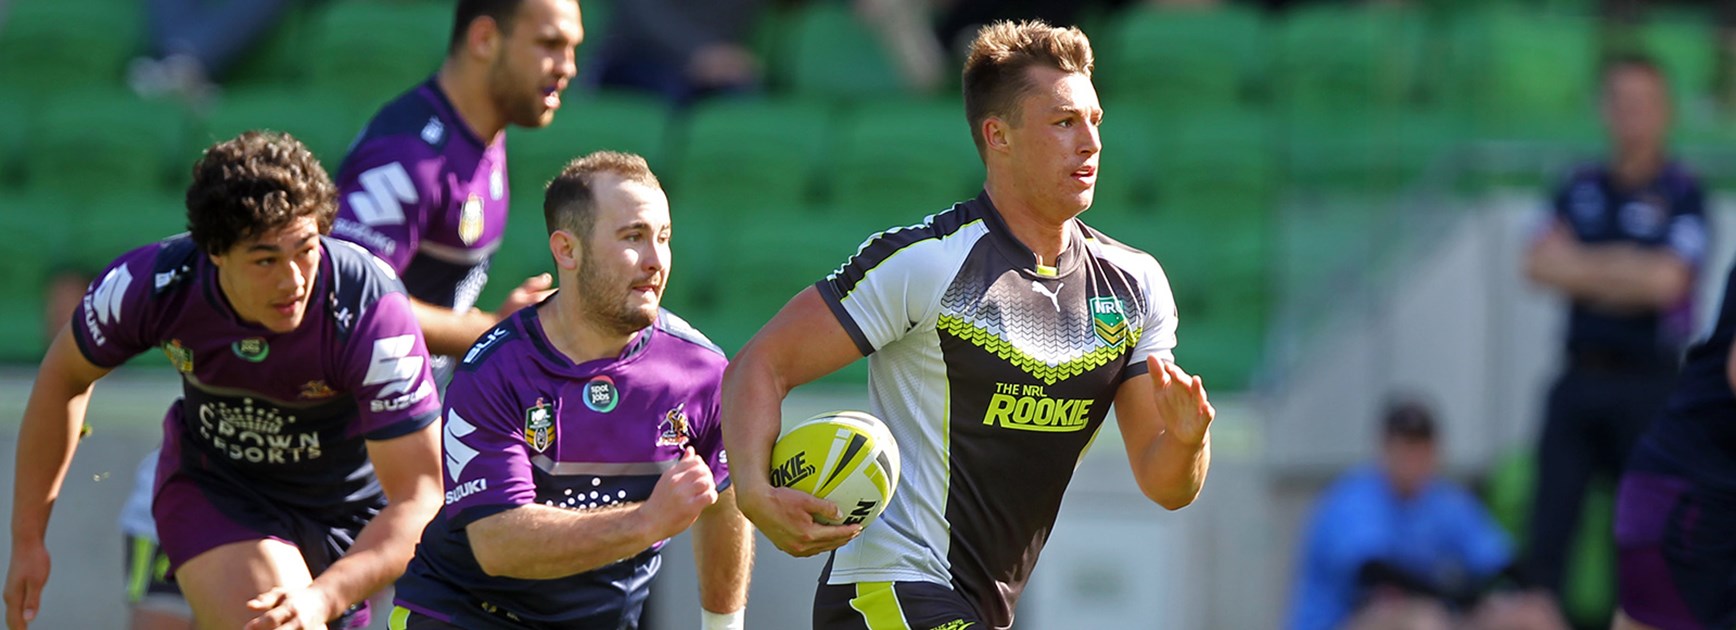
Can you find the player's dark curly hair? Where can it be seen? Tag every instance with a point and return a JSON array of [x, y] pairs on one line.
[[996, 73], [254, 183], [571, 200]]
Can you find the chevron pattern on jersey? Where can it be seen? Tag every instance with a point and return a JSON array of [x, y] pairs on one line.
[[1049, 373]]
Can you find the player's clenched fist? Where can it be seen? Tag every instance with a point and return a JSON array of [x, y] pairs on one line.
[[1181, 401], [681, 494]]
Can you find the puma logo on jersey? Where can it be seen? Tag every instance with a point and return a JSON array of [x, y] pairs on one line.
[[1054, 297]]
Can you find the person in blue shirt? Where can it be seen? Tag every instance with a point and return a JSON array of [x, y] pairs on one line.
[[1624, 244], [1393, 542]]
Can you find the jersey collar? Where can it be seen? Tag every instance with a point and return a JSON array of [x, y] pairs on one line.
[[1009, 245]]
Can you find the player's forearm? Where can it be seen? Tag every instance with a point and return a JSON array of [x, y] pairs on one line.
[[1171, 473], [723, 552], [538, 542], [47, 439], [382, 550], [449, 332], [752, 407]]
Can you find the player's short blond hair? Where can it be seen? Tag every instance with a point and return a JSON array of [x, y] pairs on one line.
[[996, 73], [571, 199]]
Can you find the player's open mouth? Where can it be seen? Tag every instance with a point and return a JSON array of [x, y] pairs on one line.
[[1087, 173], [552, 96], [286, 309]]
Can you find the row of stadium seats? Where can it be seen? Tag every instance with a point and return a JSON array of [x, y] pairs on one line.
[[1506, 68]]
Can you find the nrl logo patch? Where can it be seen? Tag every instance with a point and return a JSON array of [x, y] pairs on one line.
[[1109, 320], [673, 430], [539, 426], [179, 356], [252, 349]]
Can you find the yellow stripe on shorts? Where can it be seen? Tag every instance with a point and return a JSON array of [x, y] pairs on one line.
[[878, 604], [400, 618], [139, 575]]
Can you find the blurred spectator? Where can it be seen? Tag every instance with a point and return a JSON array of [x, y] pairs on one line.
[[684, 50], [1393, 545], [193, 43], [1624, 243]]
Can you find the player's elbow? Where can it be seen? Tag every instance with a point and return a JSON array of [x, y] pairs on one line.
[[491, 559], [1173, 501]]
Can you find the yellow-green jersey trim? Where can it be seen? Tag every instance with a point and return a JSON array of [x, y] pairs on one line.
[[878, 603], [1049, 374]]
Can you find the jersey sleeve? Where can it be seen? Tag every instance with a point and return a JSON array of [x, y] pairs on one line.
[[1157, 335], [387, 371], [487, 468], [386, 193], [892, 285], [708, 439], [113, 321]]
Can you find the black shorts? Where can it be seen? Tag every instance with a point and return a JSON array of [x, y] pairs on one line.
[[1677, 556], [893, 605], [147, 570]]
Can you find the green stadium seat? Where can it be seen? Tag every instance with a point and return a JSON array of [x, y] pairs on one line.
[[281, 56], [898, 161], [1522, 75], [37, 229], [833, 56], [1187, 59], [325, 123], [745, 152], [370, 51], [1347, 60], [1224, 159], [103, 142], [1130, 155], [113, 224], [48, 47]]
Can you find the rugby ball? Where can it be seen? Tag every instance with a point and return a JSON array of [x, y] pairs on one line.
[[846, 457]]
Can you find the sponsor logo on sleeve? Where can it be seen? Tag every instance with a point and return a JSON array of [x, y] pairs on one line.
[[481, 348], [102, 306], [458, 454], [399, 372], [384, 190]]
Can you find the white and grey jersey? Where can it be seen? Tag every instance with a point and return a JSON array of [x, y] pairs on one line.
[[994, 374]]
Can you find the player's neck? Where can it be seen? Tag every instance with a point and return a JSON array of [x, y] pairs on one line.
[[467, 89], [1044, 235], [1635, 169], [577, 337]]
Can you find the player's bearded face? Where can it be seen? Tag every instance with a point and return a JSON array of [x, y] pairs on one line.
[[624, 267], [536, 62], [268, 279]]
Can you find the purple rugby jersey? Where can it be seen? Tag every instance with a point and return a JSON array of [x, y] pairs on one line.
[[422, 192], [284, 416], [525, 425]]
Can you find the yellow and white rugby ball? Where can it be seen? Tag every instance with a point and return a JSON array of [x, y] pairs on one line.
[[846, 457]]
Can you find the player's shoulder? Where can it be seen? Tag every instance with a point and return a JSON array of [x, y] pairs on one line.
[[160, 267], [1126, 257], [412, 127], [924, 246], [1680, 179], [485, 353], [359, 278], [674, 326]]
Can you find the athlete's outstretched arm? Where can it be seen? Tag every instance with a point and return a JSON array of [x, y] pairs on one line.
[[409, 470], [1165, 422], [451, 332], [723, 552], [539, 542], [46, 441], [804, 341]]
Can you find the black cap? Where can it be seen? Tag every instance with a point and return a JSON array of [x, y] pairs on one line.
[[1408, 419]]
